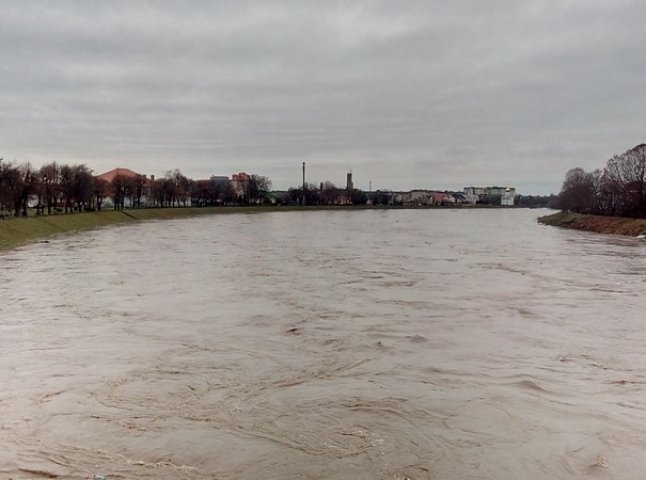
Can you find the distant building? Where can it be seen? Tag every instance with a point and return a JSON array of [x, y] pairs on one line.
[[505, 195], [418, 197], [220, 180], [239, 183], [128, 174], [210, 191], [507, 198], [442, 198], [124, 172]]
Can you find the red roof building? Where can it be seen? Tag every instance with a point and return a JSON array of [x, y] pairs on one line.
[[125, 172]]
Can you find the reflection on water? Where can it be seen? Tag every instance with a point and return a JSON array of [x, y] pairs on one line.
[[370, 344]]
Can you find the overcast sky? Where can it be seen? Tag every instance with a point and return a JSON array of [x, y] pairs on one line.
[[424, 94]]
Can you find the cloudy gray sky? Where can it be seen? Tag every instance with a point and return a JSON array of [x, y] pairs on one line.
[[419, 94]]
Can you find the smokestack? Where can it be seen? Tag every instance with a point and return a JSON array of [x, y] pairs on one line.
[[303, 183], [349, 185]]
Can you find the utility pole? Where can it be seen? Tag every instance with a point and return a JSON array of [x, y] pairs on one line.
[[303, 183]]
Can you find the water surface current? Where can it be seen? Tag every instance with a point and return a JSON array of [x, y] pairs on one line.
[[384, 344]]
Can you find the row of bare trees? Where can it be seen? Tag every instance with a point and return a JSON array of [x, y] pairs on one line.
[[244, 190], [327, 193], [56, 188], [172, 190], [619, 189]]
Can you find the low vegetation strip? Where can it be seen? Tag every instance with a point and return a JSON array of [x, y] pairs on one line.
[[21, 230], [17, 231], [597, 223]]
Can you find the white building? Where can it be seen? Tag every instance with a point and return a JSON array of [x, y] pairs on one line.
[[507, 197], [506, 194]]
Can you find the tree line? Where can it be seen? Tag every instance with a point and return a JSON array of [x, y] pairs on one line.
[[57, 187], [327, 193], [619, 189], [60, 188]]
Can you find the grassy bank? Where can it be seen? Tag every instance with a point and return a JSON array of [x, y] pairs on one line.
[[597, 223], [17, 231]]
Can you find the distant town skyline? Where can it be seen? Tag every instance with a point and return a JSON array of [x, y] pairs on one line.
[[414, 94]]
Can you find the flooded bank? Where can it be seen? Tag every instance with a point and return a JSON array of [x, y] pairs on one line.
[[343, 344]]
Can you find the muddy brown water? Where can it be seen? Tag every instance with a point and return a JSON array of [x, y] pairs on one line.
[[420, 344]]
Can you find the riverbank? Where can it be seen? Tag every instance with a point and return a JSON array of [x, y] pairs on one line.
[[596, 223], [18, 231]]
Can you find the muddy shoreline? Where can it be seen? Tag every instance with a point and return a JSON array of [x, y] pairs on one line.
[[631, 227]]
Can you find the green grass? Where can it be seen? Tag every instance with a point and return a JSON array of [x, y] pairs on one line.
[[17, 231]]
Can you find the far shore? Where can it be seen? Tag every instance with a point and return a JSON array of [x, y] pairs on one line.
[[632, 227], [22, 230]]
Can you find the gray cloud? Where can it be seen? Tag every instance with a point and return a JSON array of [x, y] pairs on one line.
[[406, 94]]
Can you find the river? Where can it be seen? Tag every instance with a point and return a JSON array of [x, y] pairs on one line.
[[381, 344]]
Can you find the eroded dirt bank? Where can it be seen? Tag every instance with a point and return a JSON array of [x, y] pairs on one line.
[[597, 223]]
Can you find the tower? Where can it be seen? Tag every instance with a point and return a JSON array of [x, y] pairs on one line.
[[303, 183]]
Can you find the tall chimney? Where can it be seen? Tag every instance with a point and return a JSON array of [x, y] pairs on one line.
[[303, 183]]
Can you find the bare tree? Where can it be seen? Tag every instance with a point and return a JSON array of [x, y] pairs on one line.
[[258, 189], [634, 169], [83, 187], [625, 182], [119, 187], [19, 182], [67, 186], [177, 188], [101, 190], [310, 193], [50, 185], [203, 193], [5, 197], [222, 190], [577, 192]]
